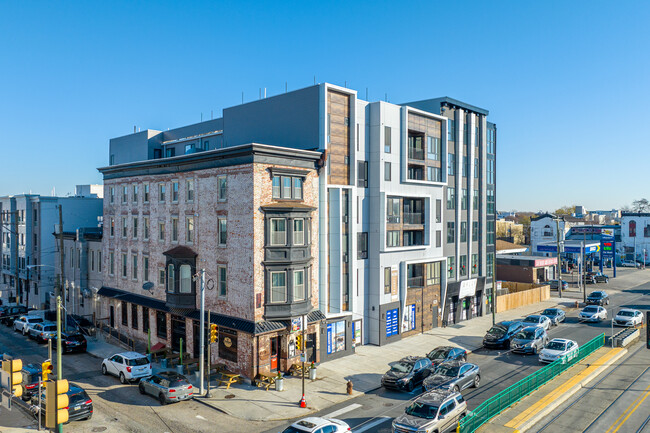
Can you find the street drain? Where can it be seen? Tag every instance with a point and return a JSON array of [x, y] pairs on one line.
[[230, 396], [98, 429]]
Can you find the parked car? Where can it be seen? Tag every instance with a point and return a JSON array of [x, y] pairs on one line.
[[501, 334], [10, 313], [628, 264], [599, 277], [447, 353], [435, 411], [557, 348], [556, 315], [555, 284], [23, 323], [80, 405], [317, 425], [531, 339], [407, 373], [42, 332], [598, 297], [31, 375], [72, 341], [628, 317], [453, 375], [593, 313], [167, 387], [589, 279], [538, 320], [128, 366]]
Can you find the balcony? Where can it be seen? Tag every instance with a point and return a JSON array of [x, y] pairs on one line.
[[415, 281], [416, 153], [413, 218], [392, 219]]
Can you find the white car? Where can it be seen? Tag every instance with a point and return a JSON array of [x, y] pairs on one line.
[[593, 313], [317, 425], [628, 317], [628, 264], [23, 323], [128, 366], [557, 348], [538, 320]]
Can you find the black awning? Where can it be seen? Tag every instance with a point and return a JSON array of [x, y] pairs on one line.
[[133, 298]]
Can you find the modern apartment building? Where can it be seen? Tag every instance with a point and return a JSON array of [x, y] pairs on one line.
[[28, 245], [405, 205]]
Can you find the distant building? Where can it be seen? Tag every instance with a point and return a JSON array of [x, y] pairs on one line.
[[543, 228], [510, 231], [635, 234]]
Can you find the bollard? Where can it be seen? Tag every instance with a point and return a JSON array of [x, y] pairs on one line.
[[349, 387]]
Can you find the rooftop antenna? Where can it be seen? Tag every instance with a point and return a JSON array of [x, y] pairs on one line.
[[201, 116], [134, 129], [265, 93], [211, 114], [314, 79], [366, 93], [346, 83], [260, 93], [285, 87], [386, 97], [242, 97]]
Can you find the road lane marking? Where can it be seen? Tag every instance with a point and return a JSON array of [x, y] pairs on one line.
[[376, 422], [636, 403], [342, 411]]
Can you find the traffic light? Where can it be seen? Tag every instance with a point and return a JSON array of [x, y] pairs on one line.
[[56, 403], [47, 368], [13, 368], [299, 342], [213, 333]]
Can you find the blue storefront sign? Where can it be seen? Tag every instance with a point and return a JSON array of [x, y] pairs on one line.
[[607, 248], [329, 338], [392, 320], [568, 249], [413, 316]]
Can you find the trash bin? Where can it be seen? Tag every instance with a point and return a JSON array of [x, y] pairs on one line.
[[312, 373], [279, 384], [163, 363]]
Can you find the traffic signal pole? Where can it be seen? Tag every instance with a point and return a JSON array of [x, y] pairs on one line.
[[207, 394], [202, 342], [59, 358]]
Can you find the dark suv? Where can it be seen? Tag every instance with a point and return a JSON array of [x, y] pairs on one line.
[[501, 334], [71, 342], [80, 405], [598, 298], [10, 313], [31, 375], [407, 373]]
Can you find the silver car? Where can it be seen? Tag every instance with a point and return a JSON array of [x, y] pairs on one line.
[[434, 411], [453, 375], [167, 386], [531, 339], [42, 332]]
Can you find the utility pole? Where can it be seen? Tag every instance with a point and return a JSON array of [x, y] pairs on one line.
[[59, 359], [60, 293], [559, 258], [202, 342], [209, 359]]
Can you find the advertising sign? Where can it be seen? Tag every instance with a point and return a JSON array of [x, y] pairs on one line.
[[392, 319], [467, 288]]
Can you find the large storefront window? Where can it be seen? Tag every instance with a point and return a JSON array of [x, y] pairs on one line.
[[161, 325], [336, 337], [228, 345]]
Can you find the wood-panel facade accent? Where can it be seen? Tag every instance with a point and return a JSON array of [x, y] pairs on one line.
[[338, 135]]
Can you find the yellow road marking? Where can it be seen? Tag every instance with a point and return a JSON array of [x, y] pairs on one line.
[[518, 421], [636, 403]]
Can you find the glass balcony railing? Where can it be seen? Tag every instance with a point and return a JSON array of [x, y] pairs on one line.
[[413, 218], [416, 153]]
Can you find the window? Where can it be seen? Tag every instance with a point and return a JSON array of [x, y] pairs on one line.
[[475, 199], [451, 197], [387, 139], [278, 231], [189, 148], [438, 238], [222, 187], [145, 228], [124, 223], [299, 231], [490, 232], [362, 174], [145, 320], [476, 168], [450, 232], [434, 174], [393, 210], [125, 194], [451, 164], [474, 264], [134, 316], [412, 237], [124, 264], [438, 210], [111, 263], [490, 171], [135, 227], [174, 229], [433, 148], [112, 195], [170, 278], [135, 193], [450, 267], [125, 313], [190, 190], [646, 231], [174, 192], [275, 183], [161, 325], [491, 140], [451, 133], [145, 187], [465, 166], [112, 226], [489, 264], [432, 273], [170, 152], [392, 238], [189, 230], [463, 199], [387, 171], [223, 281], [161, 231], [145, 268], [185, 279], [223, 231], [475, 231], [463, 231], [490, 205], [161, 276], [134, 268], [632, 228], [362, 245], [297, 188], [299, 285], [387, 281], [161, 192], [278, 287], [99, 261]]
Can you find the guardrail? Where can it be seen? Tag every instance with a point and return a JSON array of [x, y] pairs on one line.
[[509, 396]]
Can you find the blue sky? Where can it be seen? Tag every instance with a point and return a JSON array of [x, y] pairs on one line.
[[566, 82]]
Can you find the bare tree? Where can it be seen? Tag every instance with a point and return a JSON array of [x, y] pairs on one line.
[[641, 205]]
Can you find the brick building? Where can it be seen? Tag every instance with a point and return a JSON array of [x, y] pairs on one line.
[[246, 214]]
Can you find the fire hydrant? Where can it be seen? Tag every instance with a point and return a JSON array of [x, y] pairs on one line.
[[349, 387]]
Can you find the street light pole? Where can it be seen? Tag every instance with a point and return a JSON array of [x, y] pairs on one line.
[[559, 259], [202, 351]]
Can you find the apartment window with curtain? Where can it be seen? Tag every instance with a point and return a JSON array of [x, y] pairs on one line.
[[297, 188], [450, 267], [298, 231], [185, 279], [392, 238], [223, 231], [223, 281], [433, 148], [299, 285], [278, 231], [222, 187], [190, 190], [276, 187], [387, 139], [161, 276], [189, 230], [463, 266], [278, 287], [170, 278], [474, 264], [434, 174], [432, 273]]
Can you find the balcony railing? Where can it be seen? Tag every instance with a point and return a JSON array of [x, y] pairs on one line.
[[413, 218], [415, 153], [415, 281], [392, 219]]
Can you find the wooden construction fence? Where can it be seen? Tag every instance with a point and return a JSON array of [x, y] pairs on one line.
[[524, 297]]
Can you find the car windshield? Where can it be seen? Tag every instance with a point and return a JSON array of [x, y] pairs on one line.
[[447, 370], [590, 310], [526, 335], [422, 410], [137, 361], [556, 345], [36, 320], [626, 313], [596, 295], [497, 330], [80, 397], [401, 367], [549, 312], [49, 328], [532, 319], [292, 429], [438, 354]]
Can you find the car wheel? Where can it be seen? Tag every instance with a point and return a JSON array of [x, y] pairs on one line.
[[122, 379], [477, 381], [161, 399], [141, 388], [104, 369]]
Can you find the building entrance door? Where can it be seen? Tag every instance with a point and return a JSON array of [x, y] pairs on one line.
[[275, 350], [178, 332], [112, 317], [310, 347]]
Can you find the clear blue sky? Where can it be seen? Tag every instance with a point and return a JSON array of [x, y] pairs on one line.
[[568, 83]]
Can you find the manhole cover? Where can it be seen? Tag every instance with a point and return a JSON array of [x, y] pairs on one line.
[[230, 396], [388, 404], [98, 429]]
